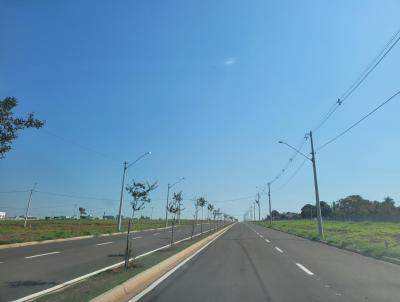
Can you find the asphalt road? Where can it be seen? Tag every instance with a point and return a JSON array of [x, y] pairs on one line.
[[252, 263], [26, 270]]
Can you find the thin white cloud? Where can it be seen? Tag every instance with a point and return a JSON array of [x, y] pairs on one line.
[[230, 61]]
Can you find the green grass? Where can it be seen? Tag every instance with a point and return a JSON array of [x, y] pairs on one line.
[[365, 237], [13, 231], [98, 284]]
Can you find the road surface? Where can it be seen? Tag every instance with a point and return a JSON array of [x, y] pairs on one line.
[[26, 270], [252, 263]]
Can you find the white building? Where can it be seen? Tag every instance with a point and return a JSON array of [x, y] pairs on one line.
[[2, 215]]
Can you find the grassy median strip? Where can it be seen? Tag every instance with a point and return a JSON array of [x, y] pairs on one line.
[[376, 239], [98, 284], [13, 231]]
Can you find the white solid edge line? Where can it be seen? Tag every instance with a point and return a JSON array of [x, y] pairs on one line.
[[104, 243], [40, 255], [72, 281], [278, 249], [305, 269], [169, 273]]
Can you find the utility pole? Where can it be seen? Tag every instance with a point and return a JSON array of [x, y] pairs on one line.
[[74, 211], [151, 216], [258, 204], [122, 194], [319, 216], [269, 202], [166, 207], [254, 211], [29, 204], [126, 166]]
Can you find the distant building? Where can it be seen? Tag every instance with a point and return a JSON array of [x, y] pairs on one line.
[[2, 215], [109, 217]]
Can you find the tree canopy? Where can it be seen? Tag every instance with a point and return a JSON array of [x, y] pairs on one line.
[[10, 125]]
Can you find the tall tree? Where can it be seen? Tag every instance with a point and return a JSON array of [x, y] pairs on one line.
[[308, 211], [10, 125], [326, 209]]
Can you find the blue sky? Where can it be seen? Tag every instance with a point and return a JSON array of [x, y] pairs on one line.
[[209, 87]]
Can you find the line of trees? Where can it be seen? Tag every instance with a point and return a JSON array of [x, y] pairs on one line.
[[355, 207]]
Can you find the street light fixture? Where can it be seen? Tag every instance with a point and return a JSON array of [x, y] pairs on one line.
[[166, 207], [126, 166], [312, 159]]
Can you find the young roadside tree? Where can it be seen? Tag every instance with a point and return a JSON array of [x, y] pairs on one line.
[[210, 208], [196, 211], [140, 193], [215, 214], [174, 208], [225, 218], [258, 204], [202, 202], [219, 213], [10, 125]]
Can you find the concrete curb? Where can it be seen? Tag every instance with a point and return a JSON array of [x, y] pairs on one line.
[[392, 260], [135, 285], [22, 244]]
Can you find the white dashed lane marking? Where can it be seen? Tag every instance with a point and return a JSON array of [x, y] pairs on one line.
[[104, 243], [308, 272], [156, 234], [278, 249], [41, 255]]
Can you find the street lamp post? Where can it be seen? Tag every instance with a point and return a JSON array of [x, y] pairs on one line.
[[269, 202], [312, 159], [126, 166], [166, 206]]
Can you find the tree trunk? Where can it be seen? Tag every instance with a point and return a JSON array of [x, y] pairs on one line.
[[201, 222], [193, 225], [172, 233], [127, 245]]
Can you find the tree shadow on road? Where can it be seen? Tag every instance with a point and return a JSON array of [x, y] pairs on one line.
[[29, 283]]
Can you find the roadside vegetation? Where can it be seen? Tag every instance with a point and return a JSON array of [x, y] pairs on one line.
[[352, 207], [374, 239], [98, 284], [13, 231]]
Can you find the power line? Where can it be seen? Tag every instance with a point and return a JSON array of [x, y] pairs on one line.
[[359, 121], [292, 176], [16, 191], [371, 67], [233, 199], [286, 166], [79, 145], [75, 196]]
